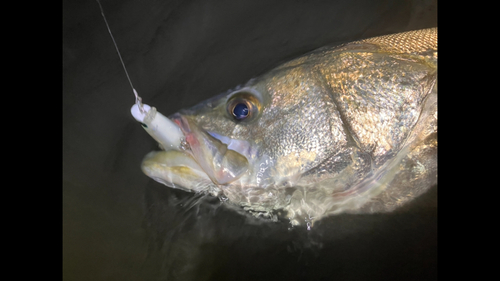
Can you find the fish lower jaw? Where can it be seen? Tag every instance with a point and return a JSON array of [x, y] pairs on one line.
[[176, 169]]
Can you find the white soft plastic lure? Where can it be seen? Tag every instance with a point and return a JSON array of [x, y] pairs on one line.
[[162, 129]]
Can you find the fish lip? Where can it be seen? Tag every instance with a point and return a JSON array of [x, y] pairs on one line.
[[182, 122], [189, 136], [190, 139], [220, 164]]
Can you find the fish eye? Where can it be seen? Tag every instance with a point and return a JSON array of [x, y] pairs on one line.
[[240, 111], [243, 106], [240, 108]]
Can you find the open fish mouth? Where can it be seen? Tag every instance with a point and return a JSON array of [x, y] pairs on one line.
[[203, 158]]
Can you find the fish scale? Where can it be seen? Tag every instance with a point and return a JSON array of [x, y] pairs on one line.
[[418, 41]]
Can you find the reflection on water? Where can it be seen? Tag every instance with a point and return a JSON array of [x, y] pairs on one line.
[[193, 237]]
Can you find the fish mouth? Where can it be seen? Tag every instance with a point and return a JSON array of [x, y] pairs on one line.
[[202, 157]]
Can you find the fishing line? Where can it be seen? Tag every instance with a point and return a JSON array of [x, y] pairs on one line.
[[166, 132], [138, 99]]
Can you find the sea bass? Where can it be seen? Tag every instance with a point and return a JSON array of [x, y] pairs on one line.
[[351, 128]]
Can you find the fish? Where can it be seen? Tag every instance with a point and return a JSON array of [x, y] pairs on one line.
[[350, 128]]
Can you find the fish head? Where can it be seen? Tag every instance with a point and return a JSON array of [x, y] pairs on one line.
[[254, 143]]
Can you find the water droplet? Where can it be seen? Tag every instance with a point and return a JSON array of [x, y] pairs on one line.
[[184, 145]]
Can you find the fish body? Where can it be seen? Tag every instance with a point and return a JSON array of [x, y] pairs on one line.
[[350, 128]]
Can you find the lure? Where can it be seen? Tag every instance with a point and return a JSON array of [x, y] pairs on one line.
[[162, 129]]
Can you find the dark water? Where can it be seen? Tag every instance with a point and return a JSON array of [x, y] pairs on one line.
[[120, 225]]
